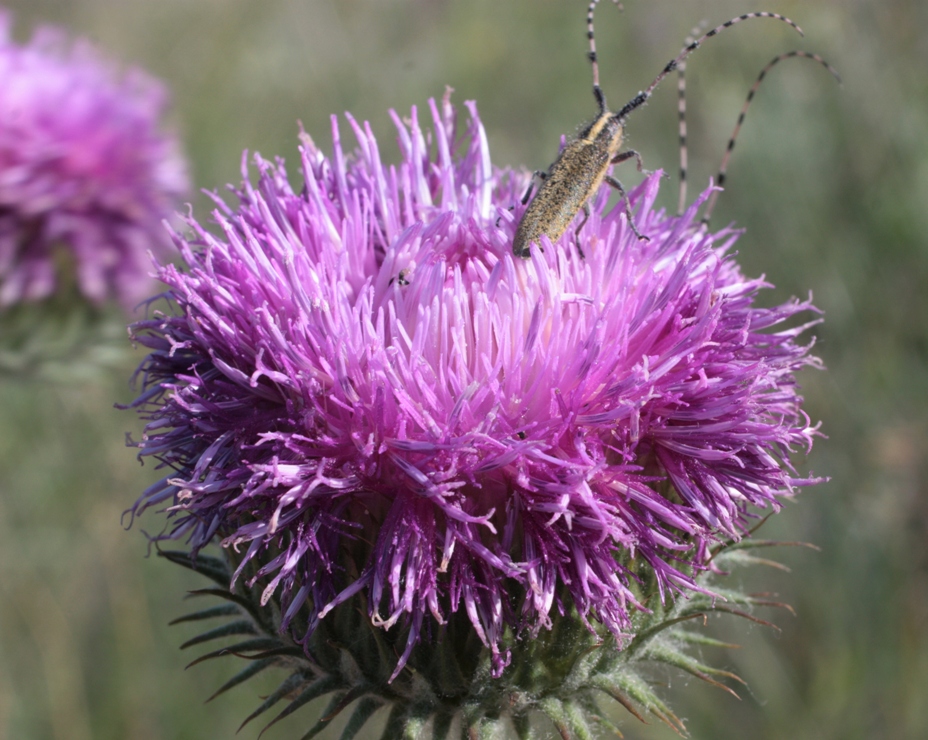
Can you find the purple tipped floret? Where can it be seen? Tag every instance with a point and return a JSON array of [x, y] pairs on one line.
[[363, 366], [85, 170]]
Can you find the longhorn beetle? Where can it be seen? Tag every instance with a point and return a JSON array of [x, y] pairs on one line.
[[583, 164]]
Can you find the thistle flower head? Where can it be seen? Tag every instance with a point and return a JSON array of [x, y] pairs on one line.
[[85, 170], [364, 392]]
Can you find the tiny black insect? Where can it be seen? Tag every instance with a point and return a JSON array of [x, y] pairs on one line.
[[583, 164]]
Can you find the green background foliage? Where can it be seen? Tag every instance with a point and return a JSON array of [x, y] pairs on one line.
[[831, 184]]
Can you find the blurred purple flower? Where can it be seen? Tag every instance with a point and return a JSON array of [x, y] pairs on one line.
[[366, 389], [84, 167]]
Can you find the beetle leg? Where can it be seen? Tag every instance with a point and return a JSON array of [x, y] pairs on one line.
[[622, 156], [586, 216], [531, 186], [528, 193], [628, 211]]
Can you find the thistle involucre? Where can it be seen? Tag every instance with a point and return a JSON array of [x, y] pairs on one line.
[[85, 170], [364, 393]]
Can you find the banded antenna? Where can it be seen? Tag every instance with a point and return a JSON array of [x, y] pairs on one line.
[[723, 167], [594, 61]]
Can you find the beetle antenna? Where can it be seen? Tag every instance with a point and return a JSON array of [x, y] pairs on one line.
[[681, 114], [723, 167], [597, 90], [642, 97]]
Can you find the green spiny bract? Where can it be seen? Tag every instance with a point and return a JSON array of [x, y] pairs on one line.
[[560, 675]]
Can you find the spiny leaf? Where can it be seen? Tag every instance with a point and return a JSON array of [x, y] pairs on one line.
[[750, 544], [669, 656], [579, 661], [327, 715], [639, 691], [224, 593], [482, 728], [242, 676], [577, 722], [223, 610], [237, 649], [620, 696], [743, 559], [394, 727], [646, 634], [607, 724], [554, 710], [242, 627], [523, 725], [349, 696], [362, 712], [424, 703], [731, 595], [213, 568], [698, 638], [319, 687], [279, 651], [758, 600], [746, 615], [292, 682]]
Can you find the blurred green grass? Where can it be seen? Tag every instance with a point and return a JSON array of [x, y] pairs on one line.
[[830, 183]]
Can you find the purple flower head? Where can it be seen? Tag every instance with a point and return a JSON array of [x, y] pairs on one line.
[[363, 390], [84, 169]]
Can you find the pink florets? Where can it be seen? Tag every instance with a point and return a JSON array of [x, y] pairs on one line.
[[84, 168], [362, 375]]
